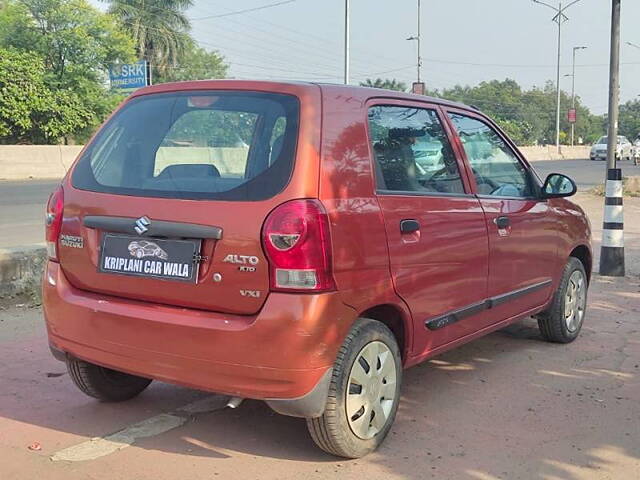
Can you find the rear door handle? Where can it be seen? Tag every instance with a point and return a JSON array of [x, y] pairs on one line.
[[409, 225], [502, 222]]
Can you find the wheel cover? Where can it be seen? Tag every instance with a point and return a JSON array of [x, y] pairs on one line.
[[575, 301], [371, 390]]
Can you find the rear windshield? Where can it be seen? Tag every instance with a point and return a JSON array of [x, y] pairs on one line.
[[604, 140], [203, 145]]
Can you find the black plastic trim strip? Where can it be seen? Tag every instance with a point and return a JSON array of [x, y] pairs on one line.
[[413, 193], [614, 174], [500, 197], [460, 314], [157, 228], [455, 316], [506, 297], [612, 226]]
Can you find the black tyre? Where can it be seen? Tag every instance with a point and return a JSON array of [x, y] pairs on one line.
[[103, 383], [562, 321], [364, 392]]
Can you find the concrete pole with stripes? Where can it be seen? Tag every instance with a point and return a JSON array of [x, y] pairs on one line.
[[612, 250]]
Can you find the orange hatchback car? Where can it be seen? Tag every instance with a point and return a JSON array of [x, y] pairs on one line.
[[301, 244]]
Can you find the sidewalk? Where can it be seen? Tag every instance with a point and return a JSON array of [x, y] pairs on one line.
[[594, 207]]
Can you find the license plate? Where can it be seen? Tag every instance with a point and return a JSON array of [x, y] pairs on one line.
[[150, 257]]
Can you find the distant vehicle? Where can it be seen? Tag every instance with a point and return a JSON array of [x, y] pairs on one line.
[[636, 151], [624, 149], [428, 156], [143, 248]]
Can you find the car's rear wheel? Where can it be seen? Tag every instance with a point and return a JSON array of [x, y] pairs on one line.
[[103, 383], [364, 392], [562, 321]]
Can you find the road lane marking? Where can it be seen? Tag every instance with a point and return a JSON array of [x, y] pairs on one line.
[[103, 446]]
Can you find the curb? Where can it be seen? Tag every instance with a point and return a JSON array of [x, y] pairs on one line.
[[21, 268]]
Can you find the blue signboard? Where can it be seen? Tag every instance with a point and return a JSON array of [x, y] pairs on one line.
[[128, 76]]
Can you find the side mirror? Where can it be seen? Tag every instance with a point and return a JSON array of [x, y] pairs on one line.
[[558, 185]]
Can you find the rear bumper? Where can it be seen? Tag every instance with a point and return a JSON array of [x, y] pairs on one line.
[[281, 355]]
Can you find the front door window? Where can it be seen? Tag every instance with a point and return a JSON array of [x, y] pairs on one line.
[[497, 170]]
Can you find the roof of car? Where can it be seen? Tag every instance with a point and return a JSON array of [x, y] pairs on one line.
[[357, 91], [383, 92]]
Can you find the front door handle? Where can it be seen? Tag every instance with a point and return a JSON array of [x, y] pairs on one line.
[[502, 222], [409, 225]]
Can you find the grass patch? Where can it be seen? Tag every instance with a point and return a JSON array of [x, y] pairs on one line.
[[630, 187]]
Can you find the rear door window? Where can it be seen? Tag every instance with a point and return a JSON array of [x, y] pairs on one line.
[[412, 151], [203, 145]]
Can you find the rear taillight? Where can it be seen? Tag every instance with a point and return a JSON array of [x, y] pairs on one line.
[[53, 222], [297, 242]]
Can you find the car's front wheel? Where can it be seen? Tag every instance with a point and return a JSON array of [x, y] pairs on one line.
[[364, 392], [562, 321], [103, 383]]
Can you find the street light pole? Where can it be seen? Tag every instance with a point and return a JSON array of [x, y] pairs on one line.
[[612, 249], [418, 38], [573, 90], [559, 21], [559, 18], [346, 42], [419, 41]]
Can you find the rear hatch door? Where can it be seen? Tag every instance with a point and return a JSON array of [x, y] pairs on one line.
[[167, 203]]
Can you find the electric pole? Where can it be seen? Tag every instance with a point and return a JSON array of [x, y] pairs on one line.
[[419, 63], [559, 18], [612, 249], [346, 42], [418, 39], [573, 91]]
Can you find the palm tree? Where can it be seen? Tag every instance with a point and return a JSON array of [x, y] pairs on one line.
[[392, 84], [160, 28]]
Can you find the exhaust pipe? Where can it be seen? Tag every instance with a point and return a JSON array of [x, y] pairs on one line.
[[234, 402]]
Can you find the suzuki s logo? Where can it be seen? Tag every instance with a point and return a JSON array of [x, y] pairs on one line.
[[142, 225]]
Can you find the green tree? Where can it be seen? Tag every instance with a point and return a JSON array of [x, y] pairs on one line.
[[196, 64], [76, 42], [30, 112], [389, 84], [74, 38], [160, 29], [629, 120], [528, 116]]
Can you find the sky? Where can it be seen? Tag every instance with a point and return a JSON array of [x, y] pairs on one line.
[[463, 42]]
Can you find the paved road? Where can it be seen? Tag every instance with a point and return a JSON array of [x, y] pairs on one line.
[[22, 203], [587, 174], [22, 207]]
